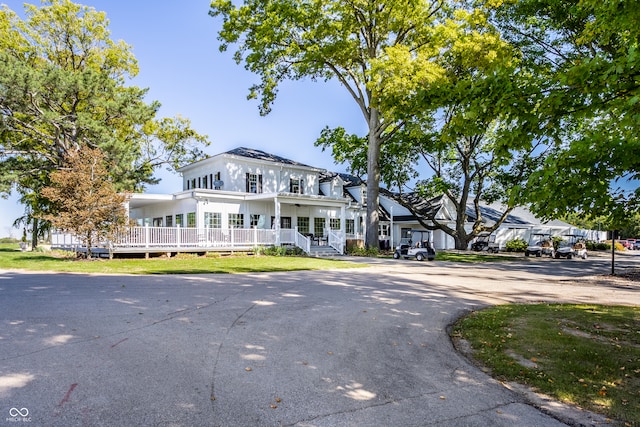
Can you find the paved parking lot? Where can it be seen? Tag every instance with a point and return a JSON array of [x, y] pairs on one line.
[[361, 347]]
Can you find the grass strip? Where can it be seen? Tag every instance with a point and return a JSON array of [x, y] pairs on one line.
[[57, 261], [588, 355]]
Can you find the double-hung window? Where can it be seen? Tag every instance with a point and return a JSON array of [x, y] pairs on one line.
[[350, 226], [303, 224], [236, 220], [254, 183], [213, 219], [191, 219], [295, 186]]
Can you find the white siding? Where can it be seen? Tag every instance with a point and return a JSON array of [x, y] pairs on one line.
[[233, 174]]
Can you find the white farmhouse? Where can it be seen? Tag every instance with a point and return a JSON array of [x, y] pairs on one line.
[[245, 198], [246, 189]]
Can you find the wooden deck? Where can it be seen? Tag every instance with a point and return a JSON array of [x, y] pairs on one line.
[[173, 240]]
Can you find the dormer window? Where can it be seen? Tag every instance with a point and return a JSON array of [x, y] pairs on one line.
[[295, 186]]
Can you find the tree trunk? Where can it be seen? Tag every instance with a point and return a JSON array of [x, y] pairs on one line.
[[89, 244], [373, 181], [462, 237], [462, 243], [34, 234]]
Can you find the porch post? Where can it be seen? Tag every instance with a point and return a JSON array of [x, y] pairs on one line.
[[277, 220], [391, 234], [343, 228]]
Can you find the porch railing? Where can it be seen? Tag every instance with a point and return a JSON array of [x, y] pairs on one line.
[[336, 241], [166, 238]]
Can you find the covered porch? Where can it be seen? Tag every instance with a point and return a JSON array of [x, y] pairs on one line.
[[222, 220]]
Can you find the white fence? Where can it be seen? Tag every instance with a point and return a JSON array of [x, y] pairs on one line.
[[187, 237], [175, 238]]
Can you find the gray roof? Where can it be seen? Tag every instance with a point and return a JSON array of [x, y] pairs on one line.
[[252, 153], [520, 215], [349, 180], [492, 213], [424, 207]]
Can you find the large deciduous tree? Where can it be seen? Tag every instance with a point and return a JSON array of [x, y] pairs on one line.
[[589, 51], [83, 199], [465, 134], [335, 39], [64, 86]]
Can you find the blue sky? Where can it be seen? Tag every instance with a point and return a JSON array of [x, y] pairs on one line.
[[176, 46]]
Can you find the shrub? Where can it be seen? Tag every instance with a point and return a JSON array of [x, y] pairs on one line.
[[370, 252], [516, 245], [596, 246], [279, 251]]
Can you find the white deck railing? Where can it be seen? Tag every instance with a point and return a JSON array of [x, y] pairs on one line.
[[160, 238], [336, 241]]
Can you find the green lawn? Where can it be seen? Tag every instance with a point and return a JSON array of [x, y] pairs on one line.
[[587, 355], [463, 256], [12, 258]]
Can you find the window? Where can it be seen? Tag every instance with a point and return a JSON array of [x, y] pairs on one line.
[[383, 230], [295, 185], [254, 183], [303, 224], [199, 182], [169, 221], [364, 196], [318, 226], [334, 223], [205, 182], [179, 220], [405, 233], [193, 183], [157, 222], [191, 219], [216, 182], [285, 222], [254, 221], [213, 219], [236, 220], [351, 226]]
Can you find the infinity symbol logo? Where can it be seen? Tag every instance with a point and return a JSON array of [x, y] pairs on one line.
[[14, 412]]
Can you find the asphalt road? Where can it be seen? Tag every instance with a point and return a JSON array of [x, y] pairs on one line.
[[360, 347]]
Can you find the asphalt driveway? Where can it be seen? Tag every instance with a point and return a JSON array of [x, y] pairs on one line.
[[362, 347]]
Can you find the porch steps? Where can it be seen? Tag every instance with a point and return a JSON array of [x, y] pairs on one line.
[[323, 251]]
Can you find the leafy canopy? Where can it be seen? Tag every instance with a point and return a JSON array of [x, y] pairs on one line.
[[587, 51], [64, 86]]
